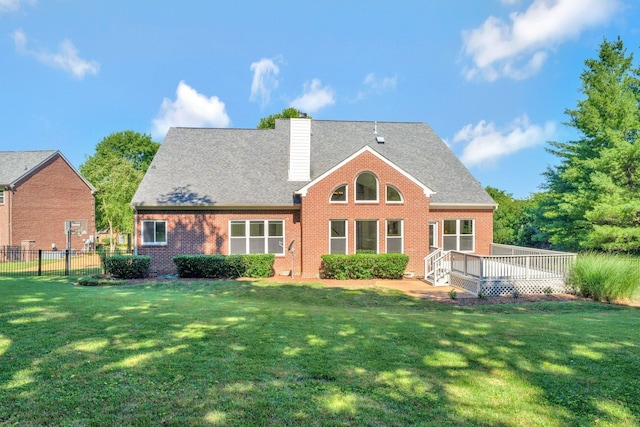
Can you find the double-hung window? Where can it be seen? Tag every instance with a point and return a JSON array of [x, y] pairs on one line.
[[1, 196], [154, 232], [256, 237], [338, 236], [458, 235], [394, 236]]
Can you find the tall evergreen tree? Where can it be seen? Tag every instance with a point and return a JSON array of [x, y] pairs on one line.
[[590, 201]]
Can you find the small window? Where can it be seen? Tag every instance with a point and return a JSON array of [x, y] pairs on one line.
[[393, 195], [394, 236], [256, 237], [367, 236], [338, 236], [1, 196], [366, 187], [339, 195], [457, 235], [154, 232]]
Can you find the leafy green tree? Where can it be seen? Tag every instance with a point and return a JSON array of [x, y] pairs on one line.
[[269, 122], [591, 193], [116, 169], [508, 218]]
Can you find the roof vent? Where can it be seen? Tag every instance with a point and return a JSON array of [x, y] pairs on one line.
[[380, 139]]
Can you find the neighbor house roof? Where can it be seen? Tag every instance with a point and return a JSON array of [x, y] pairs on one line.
[[16, 165], [249, 167]]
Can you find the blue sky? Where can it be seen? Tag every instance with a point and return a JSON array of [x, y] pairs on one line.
[[492, 77]]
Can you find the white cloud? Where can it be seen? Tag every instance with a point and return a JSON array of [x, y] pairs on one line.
[[264, 80], [376, 86], [519, 49], [66, 58], [314, 97], [190, 109], [13, 5], [486, 144]]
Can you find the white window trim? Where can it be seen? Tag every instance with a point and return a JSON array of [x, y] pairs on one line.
[[355, 234], [265, 237], [1, 196], [355, 192], [386, 232], [346, 235], [458, 234], [436, 225], [390, 201], [346, 194], [154, 243]]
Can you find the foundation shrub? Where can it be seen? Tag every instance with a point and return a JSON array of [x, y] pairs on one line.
[[364, 266], [221, 266], [128, 266]]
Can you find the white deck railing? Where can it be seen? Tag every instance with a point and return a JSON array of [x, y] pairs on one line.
[[513, 262]]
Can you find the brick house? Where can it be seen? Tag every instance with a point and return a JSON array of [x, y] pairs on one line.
[[39, 191], [316, 186]]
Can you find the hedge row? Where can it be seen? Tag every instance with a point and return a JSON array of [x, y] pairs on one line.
[[222, 266], [128, 267], [364, 266]]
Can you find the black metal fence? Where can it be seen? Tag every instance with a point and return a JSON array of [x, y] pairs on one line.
[[15, 261]]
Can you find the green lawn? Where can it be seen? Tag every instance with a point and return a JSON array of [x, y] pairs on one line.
[[257, 353]]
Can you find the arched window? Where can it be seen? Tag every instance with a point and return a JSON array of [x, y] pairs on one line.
[[393, 195], [339, 195], [366, 187]]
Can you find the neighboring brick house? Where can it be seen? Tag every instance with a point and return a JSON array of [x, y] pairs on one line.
[[326, 186], [39, 191]]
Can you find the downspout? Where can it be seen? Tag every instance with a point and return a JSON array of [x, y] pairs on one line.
[[135, 231], [10, 222]]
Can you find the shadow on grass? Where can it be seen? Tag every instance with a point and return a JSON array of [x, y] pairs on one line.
[[227, 352]]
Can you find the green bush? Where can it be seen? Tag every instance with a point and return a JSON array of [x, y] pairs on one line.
[[604, 277], [253, 265], [364, 266], [128, 267], [205, 266], [220, 266]]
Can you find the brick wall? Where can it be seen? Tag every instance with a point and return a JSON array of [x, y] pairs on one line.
[[207, 232], [317, 211], [41, 203]]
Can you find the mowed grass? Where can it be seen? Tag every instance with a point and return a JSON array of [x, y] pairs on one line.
[[260, 353]]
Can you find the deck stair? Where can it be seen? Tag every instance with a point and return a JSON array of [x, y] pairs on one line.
[[437, 266]]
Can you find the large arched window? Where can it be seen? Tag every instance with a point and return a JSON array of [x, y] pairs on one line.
[[366, 187]]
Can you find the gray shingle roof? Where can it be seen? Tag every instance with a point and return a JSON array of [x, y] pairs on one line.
[[250, 166], [15, 164]]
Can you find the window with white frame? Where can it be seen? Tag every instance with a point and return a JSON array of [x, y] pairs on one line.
[[338, 236], [366, 187], [367, 236], [339, 195], [433, 234], [154, 232], [1, 196], [394, 236], [458, 235], [256, 237], [393, 195]]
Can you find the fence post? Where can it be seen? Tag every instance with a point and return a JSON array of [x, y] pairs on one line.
[[39, 262], [67, 261]]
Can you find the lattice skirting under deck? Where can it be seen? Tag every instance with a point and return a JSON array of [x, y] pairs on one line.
[[466, 283], [498, 287]]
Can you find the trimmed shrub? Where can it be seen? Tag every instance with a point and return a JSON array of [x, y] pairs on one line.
[[364, 266], [220, 266], [204, 266], [604, 277], [128, 267], [251, 265]]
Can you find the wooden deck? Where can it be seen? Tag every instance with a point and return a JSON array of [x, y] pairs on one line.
[[508, 270]]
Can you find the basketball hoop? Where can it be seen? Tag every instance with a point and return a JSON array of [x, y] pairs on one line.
[[78, 227]]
